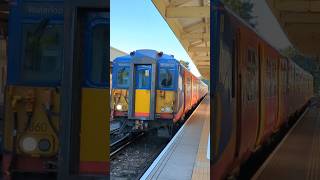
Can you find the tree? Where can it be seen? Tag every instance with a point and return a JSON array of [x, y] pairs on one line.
[[289, 52], [310, 64], [243, 8], [185, 63]]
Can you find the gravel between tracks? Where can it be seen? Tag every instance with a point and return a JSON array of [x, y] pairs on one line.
[[134, 160]]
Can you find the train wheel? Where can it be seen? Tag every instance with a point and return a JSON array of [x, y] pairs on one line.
[[174, 128], [6, 163]]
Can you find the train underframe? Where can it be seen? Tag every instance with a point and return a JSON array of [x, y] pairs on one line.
[[163, 127]]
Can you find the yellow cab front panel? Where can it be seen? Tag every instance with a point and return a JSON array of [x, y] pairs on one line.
[[142, 91], [31, 127], [32, 95], [119, 102], [165, 103], [95, 113], [120, 84]]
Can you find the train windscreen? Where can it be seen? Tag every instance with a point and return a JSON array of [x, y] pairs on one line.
[[123, 77], [166, 78], [98, 74], [42, 52]]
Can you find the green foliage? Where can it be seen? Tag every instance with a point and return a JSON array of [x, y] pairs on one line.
[[205, 81], [310, 64], [185, 63], [289, 52], [243, 8]]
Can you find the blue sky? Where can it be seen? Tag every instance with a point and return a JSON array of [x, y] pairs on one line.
[[137, 24]]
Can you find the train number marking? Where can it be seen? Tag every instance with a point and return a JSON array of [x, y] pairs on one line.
[[39, 127]]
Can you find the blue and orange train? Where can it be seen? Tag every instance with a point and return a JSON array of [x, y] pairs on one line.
[[256, 90], [33, 95], [151, 89]]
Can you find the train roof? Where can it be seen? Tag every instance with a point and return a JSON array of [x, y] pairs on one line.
[[153, 54], [228, 10]]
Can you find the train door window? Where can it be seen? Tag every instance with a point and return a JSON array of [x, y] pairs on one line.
[[42, 52], [188, 87], [123, 77], [233, 69], [98, 71], [166, 78], [251, 88], [143, 79]]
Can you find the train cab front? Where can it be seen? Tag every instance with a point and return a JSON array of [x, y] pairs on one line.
[[32, 96], [144, 89], [120, 86]]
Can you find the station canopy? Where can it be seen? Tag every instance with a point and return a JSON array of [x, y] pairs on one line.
[[190, 22], [4, 12], [300, 20]]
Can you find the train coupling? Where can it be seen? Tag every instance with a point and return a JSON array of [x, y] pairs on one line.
[[140, 125], [50, 165]]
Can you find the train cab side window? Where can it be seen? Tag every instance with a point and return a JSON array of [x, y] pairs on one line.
[[233, 69], [251, 86], [42, 52], [123, 77], [98, 71], [166, 78]]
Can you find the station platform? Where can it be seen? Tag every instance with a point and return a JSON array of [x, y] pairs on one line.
[[187, 155], [298, 155]]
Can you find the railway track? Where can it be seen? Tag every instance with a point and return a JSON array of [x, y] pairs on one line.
[[131, 156], [123, 142]]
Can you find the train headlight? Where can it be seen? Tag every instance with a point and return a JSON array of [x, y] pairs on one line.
[[44, 145], [28, 144], [119, 107], [162, 109], [168, 109]]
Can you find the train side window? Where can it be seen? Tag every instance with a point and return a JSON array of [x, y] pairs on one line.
[[123, 77], [166, 78], [233, 68], [42, 52], [188, 89], [251, 75], [98, 71]]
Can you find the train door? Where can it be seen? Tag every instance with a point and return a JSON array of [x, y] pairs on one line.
[[94, 95], [142, 86], [260, 94], [238, 90], [142, 89], [84, 151]]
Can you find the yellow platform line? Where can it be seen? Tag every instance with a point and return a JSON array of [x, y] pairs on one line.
[[201, 169]]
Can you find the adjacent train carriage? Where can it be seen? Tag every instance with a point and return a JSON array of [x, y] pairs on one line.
[[32, 96], [255, 91], [153, 89]]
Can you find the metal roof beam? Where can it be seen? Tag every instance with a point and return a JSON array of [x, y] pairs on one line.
[[201, 58], [298, 6], [195, 27], [195, 36], [178, 2], [300, 17], [199, 49], [203, 63], [188, 12]]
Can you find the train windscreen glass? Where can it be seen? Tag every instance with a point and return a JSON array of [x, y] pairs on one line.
[[123, 77], [100, 34], [166, 78], [42, 52]]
